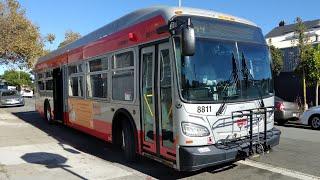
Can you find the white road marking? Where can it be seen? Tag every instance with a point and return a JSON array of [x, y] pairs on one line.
[[279, 170]]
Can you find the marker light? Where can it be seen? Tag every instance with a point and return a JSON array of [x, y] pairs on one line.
[[132, 37]]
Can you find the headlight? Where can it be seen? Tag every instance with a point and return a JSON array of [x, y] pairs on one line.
[[194, 130]]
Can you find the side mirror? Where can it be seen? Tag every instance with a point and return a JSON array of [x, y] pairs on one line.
[[188, 40]]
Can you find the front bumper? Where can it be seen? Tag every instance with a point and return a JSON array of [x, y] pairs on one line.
[[11, 104], [195, 158], [285, 115]]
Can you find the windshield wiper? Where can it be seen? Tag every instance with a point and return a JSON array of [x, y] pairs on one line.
[[248, 76], [233, 80]]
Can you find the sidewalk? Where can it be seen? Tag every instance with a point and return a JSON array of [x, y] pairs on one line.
[[26, 152]]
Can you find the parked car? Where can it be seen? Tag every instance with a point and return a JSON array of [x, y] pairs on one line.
[[10, 98], [285, 111], [27, 93], [311, 117]]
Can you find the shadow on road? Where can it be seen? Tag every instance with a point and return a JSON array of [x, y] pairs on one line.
[[103, 150], [294, 125], [49, 160]]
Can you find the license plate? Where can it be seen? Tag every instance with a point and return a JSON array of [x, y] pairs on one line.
[[12, 101], [295, 115]]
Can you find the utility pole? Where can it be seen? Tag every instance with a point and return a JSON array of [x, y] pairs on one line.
[[180, 3]]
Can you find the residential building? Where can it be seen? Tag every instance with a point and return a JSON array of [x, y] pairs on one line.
[[288, 84]]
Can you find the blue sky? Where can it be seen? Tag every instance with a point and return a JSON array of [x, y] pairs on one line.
[[84, 16]]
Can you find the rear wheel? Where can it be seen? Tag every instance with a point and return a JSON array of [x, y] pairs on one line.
[[128, 142], [315, 122]]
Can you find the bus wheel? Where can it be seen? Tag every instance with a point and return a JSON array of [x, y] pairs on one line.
[[128, 142], [47, 113]]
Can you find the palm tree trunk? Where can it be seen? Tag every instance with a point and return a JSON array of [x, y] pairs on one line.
[[305, 105]]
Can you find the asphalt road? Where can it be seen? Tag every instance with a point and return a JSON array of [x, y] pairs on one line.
[[297, 155]]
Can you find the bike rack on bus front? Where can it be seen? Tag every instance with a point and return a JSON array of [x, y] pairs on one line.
[[249, 116]]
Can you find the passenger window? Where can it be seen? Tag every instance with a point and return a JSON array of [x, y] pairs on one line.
[[123, 79], [40, 85], [76, 86], [97, 79], [123, 60], [98, 65], [123, 85], [49, 85], [97, 85]]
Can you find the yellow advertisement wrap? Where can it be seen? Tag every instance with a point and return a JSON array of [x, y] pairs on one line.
[[81, 112]]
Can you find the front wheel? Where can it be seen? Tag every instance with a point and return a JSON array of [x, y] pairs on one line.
[[128, 142], [315, 122]]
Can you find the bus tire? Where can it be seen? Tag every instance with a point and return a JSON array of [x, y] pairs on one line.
[[47, 112], [128, 142]]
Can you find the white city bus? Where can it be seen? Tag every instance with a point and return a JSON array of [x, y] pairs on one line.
[[190, 88]]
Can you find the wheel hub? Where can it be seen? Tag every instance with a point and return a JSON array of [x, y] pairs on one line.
[[316, 122]]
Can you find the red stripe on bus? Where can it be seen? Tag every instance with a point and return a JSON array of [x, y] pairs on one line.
[[103, 127], [100, 135], [144, 32]]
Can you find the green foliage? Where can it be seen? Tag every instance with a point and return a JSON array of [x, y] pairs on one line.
[[69, 37], [277, 60], [20, 38], [50, 38], [312, 65], [305, 50], [17, 78]]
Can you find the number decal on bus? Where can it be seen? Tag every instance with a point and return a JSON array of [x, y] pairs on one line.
[[203, 109]]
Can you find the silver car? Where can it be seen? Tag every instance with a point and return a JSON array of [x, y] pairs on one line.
[[285, 111], [10, 98]]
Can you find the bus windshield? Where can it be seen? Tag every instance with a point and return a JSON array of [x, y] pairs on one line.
[[225, 66]]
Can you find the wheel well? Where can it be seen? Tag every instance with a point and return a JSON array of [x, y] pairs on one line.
[[117, 123], [313, 115]]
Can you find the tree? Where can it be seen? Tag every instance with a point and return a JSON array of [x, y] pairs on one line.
[[277, 60], [304, 50], [17, 78], [20, 40], [313, 70], [69, 37], [50, 38]]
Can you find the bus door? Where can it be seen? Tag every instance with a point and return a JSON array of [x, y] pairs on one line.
[[156, 101], [57, 76]]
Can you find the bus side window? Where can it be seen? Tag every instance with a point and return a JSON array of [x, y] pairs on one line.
[[76, 80], [123, 76], [97, 79]]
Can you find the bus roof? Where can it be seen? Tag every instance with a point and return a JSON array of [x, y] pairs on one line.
[[135, 17]]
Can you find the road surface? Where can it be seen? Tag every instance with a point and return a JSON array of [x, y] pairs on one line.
[[30, 148]]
